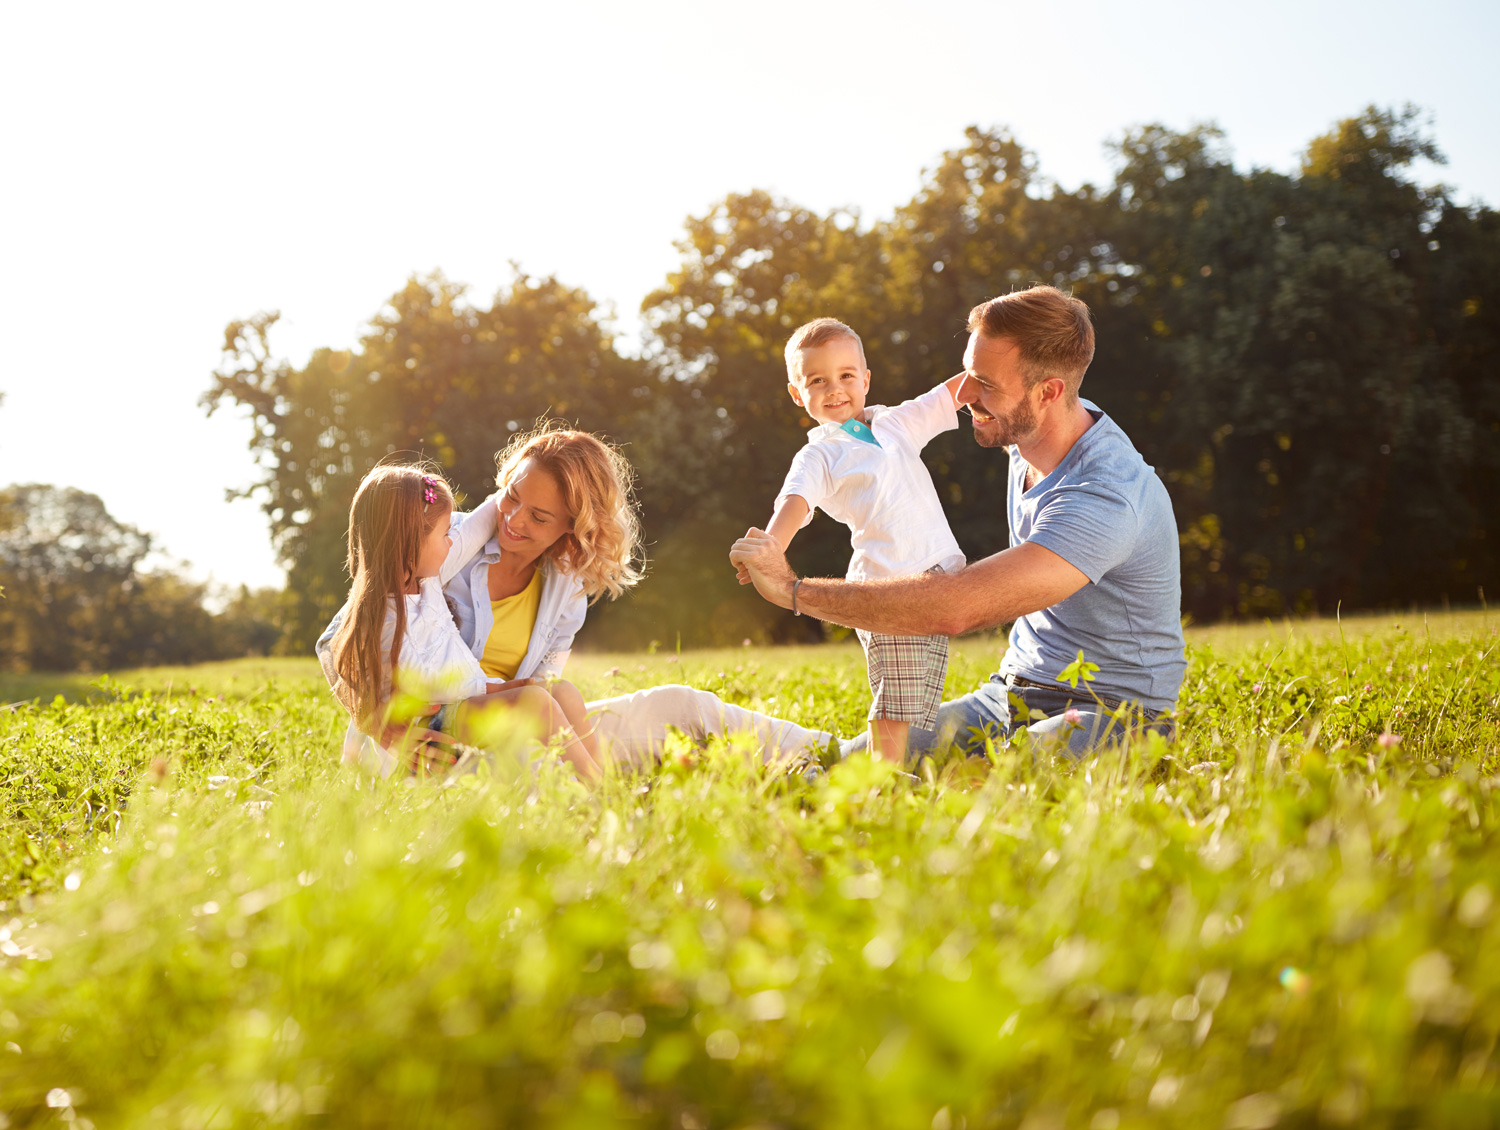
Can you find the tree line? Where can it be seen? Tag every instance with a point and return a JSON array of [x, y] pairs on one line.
[[1308, 359], [79, 591]]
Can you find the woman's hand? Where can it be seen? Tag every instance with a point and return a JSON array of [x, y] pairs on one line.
[[494, 685], [395, 733], [431, 752]]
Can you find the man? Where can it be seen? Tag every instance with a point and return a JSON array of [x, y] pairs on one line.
[[1093, 559]]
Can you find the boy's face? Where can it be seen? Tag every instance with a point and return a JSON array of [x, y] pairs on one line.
[[830, 381]]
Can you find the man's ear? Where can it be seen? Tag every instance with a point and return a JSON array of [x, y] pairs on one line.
[[796, 394]]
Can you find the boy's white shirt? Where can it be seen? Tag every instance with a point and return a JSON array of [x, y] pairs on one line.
[[435, 659], [883, 494]]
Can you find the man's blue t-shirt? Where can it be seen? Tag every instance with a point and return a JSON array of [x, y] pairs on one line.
[[1106, 513]]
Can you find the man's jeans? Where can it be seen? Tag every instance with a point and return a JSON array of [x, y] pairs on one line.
[[986, 713]]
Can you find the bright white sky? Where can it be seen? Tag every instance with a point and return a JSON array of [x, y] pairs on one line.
[[167, 168]]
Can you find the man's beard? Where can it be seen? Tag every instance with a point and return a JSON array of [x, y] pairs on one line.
[[1004, 431]]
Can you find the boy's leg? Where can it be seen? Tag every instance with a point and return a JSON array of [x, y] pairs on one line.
[[888, 739], [906, 684]]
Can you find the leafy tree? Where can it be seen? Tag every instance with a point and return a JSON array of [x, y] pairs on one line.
[[434, 377], [250, 622], [68, 568], [1287, 320], [77, 597], [983, 223], [753, 269], [1307, 358]]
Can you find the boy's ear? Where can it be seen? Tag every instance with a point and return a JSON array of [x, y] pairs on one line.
[[796, 394]]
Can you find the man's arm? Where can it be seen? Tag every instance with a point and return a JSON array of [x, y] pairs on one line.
[[1007, 585]]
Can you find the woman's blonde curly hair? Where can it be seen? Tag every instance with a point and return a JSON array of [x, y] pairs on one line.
[[602, 548]]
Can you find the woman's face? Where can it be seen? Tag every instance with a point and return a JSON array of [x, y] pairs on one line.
[[533, 512]]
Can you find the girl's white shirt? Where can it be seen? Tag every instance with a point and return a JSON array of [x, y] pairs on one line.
[[439, 660], [434, 664]]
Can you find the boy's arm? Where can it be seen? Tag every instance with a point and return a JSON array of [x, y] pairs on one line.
[[928, 415], [790, 517]]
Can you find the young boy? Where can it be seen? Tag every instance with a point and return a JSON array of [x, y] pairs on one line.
[[863, 466]]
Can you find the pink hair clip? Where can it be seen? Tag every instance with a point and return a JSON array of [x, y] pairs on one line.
[[429, 490]]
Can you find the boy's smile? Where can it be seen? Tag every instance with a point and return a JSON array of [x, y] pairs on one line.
[[831, 381]]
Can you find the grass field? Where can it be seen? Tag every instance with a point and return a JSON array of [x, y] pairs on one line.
[[1286, 918]]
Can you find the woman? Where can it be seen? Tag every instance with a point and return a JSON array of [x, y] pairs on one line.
[[568, 534]]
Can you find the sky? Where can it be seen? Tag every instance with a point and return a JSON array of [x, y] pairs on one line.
[[165, 169]]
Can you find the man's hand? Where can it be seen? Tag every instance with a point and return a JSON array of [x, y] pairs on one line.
[[760, 556]]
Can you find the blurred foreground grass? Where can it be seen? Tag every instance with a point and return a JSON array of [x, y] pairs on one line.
[[1288, 917]]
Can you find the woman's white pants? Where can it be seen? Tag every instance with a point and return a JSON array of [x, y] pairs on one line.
[[634, 727]]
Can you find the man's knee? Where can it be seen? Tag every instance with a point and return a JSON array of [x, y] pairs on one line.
[[1082, 733]]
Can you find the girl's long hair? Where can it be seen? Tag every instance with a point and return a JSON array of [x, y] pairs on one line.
[[387, 521], [602, 548]]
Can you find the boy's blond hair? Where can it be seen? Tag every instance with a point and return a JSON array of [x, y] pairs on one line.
[[819, 331]]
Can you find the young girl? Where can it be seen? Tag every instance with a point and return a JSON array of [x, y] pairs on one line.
[[396, 633]]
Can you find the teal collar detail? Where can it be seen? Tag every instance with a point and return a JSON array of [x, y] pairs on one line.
[[859, 430]]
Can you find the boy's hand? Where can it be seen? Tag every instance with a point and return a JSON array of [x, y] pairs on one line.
[[761, 556]]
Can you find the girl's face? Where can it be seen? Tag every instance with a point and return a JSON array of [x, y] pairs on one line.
[[434, 548], [533, 512]]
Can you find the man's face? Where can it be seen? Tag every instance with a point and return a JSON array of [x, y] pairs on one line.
[[996, 393], [831, 381]]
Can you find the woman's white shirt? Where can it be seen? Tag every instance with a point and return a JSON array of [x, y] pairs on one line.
[[559, 615]]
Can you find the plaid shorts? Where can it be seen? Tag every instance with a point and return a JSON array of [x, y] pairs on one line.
[[906, 676]]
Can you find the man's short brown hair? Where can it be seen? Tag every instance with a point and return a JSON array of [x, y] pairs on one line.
[[1052, 330], [819, 331]]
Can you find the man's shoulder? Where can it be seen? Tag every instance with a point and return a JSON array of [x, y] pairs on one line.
[[1106, 455], [1109, 464]]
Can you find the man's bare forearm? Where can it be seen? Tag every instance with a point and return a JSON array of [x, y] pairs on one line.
[[998, 589], [898, 606]]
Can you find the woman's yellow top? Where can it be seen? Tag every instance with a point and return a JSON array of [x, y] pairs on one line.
[[515, 616]]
